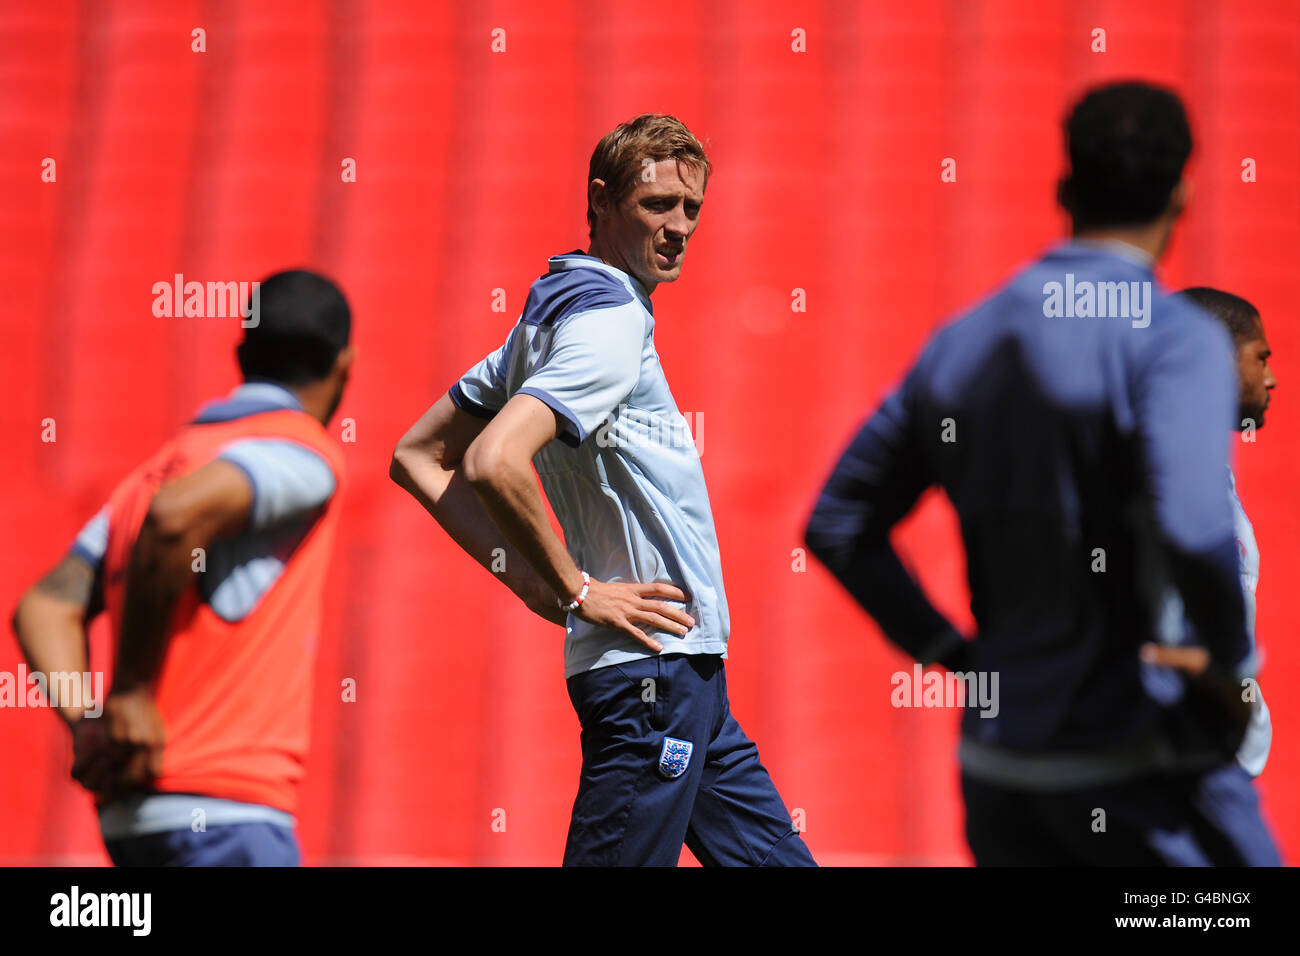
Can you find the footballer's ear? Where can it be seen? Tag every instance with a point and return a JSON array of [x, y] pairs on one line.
[[1181, 195], [598, 197], [343, 361]]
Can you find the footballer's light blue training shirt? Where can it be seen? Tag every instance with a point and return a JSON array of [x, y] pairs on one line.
[[624, 477]]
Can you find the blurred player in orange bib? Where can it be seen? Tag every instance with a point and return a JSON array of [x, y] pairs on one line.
[[210, 560]]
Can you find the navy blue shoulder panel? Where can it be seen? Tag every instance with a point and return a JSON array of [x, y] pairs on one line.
[[227, 410], [557, 295]]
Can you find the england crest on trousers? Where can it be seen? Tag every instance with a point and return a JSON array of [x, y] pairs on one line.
[[675, 757]]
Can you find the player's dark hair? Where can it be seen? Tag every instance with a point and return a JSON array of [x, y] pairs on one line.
[[1128, 144], [1237, 315], [298, 324]]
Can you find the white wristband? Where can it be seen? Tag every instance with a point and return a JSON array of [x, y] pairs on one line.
[[582, 596]]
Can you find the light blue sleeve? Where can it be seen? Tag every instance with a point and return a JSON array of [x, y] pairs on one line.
[[289, 480], [91, 542], [590, 368], [482, 390]]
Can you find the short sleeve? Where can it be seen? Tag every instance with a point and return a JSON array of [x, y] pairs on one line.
[[482, 390], [289, 480], [592, 366], [91, 542]]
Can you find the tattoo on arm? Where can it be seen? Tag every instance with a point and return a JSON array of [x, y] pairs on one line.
[[72, 580]]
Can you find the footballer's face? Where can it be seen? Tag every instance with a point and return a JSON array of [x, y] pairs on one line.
[[1256, 378], [646, 233]]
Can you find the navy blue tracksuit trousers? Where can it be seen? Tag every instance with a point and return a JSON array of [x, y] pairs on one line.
[[1206, 819], [665, 763]]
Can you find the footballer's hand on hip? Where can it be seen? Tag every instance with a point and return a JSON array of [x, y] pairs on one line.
[[629, 607], [122, 750], [1215, 696]]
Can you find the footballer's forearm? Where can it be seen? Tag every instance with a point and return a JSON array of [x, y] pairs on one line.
[[877, 480], [448, 497], [159, 570], [507, 488], [184, 517], [53, 641], [427, 462], [49, 625], [870, 570]]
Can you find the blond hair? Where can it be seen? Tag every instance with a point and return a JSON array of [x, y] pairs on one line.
[[617, 159]]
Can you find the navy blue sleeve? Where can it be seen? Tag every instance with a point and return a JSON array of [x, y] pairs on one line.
[[875, 483], [1185, 401]]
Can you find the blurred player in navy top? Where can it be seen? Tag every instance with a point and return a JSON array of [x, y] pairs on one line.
[[1077, 419]]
